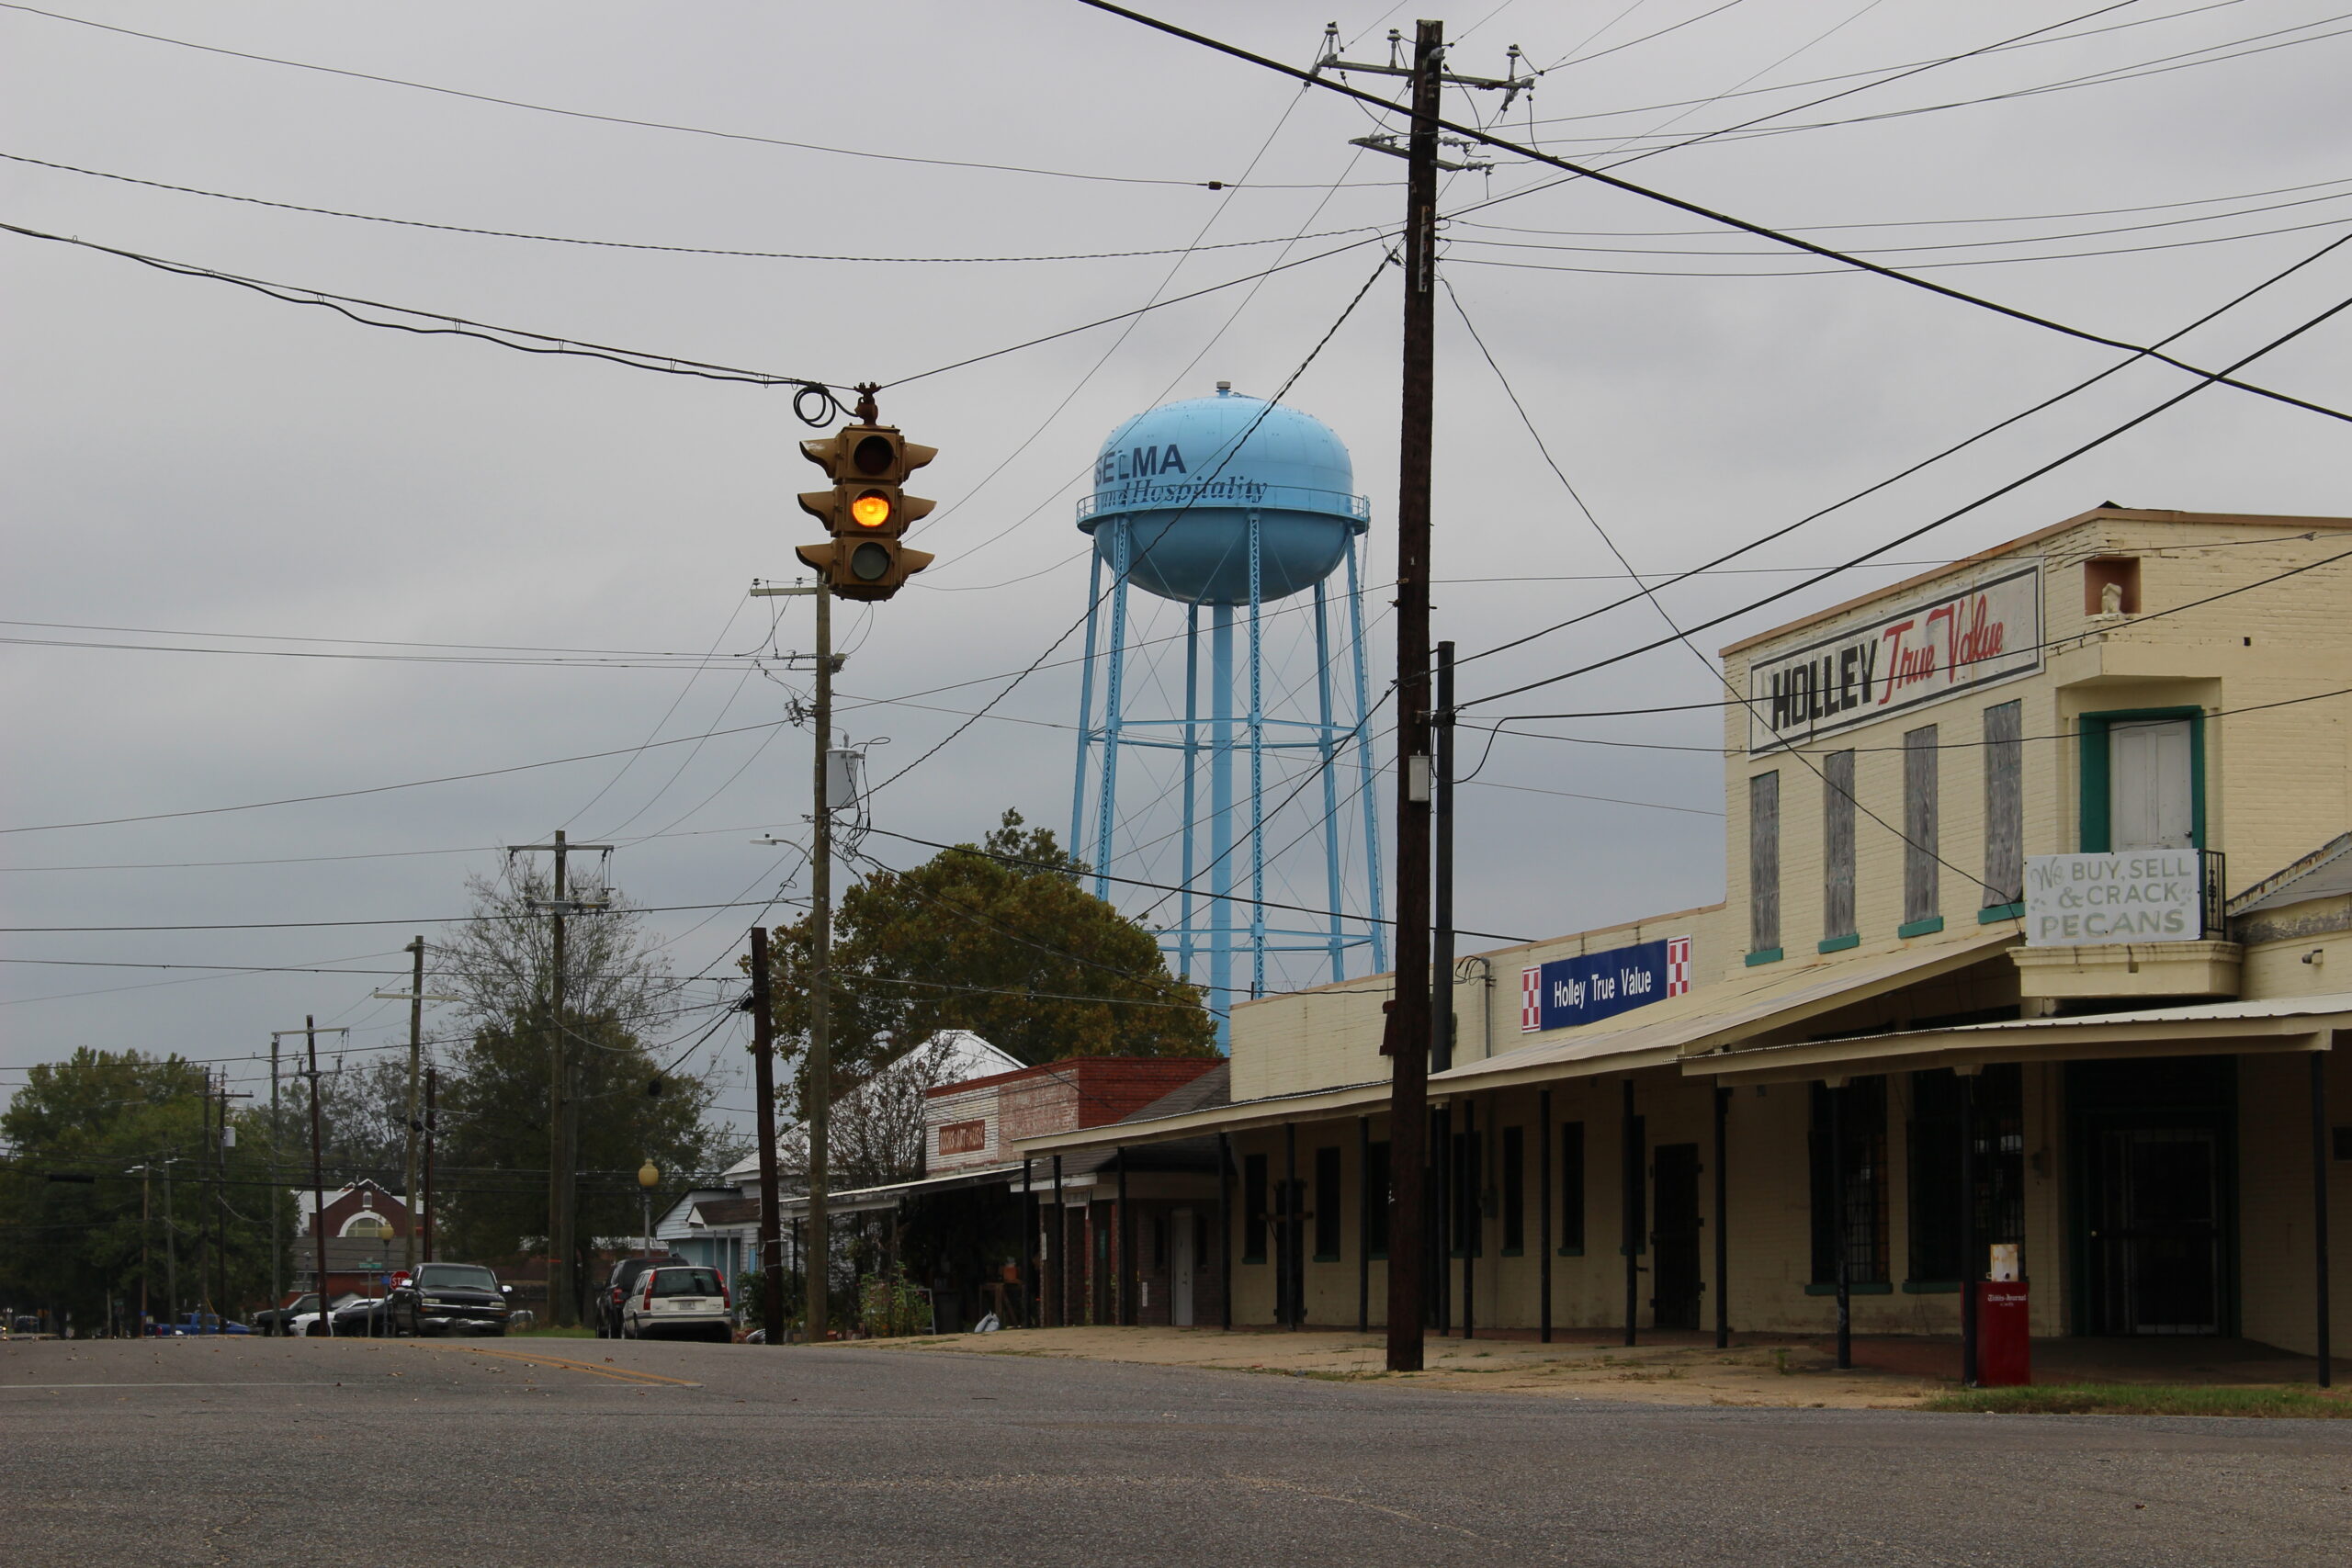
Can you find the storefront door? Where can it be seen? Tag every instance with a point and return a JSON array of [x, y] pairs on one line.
[[2157, 1245], [1675, 1241], [1181, 1264]]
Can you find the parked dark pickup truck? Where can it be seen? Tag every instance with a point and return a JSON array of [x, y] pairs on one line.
[[448, 1298]]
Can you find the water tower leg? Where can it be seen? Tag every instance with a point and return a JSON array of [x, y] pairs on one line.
[[1327, 766], [1114, 710], [1186, 940], [1077, 845], [1374, 899], [1221, 819], [1257, 771]]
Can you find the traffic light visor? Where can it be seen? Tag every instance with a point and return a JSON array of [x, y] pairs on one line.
[[871, 509]]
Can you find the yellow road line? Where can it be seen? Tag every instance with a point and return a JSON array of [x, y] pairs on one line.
[[618, 1374]]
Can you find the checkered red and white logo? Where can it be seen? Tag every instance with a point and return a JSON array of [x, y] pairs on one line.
[[1678, 966], [1531, 1000]]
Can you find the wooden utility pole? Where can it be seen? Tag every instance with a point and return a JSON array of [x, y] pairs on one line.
[[1408, 1023], [277, 1189], [763, 1096], [432, 1084], [817, 1086], [318, 1182], [563, 1092], [416, 999], [818, 1108]]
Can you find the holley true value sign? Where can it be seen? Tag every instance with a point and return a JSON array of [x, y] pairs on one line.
[[1970, 635], [2132, 896]]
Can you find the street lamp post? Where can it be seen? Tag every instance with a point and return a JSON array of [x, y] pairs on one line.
[[648, 1175]]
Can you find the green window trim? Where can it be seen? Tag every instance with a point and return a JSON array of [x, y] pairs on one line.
[[1327, 1258], [1993, 913], [1378, 1255], [1764, 955], [1514, 1252], [1839, 943], [1931, 1287], [1927, 927], [1253, 1257], [1858, 1288], [2097, 830]]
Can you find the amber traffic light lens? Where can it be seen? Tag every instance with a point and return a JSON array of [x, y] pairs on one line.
[[870, 510]]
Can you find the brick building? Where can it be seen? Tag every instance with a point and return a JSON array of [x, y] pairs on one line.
[[2038, 920]]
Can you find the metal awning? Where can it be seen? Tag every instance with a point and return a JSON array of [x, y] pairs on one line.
[[868, 1199], [1667, 1032], [2274, 1025], [1708, 1017]]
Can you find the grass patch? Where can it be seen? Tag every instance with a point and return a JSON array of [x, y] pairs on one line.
[[2143, 1399], [550, 1333]]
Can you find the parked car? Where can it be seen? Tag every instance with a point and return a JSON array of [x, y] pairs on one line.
[[689, 1303], [356, 1318], [623, 1280], [195, 1323], [278, 1320], [450, 1298]]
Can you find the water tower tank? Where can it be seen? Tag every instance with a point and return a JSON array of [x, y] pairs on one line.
[[1186, 476]]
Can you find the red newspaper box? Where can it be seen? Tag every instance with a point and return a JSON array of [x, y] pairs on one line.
[[2004, 1354]]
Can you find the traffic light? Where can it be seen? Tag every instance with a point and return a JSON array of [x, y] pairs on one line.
[[866, 511]]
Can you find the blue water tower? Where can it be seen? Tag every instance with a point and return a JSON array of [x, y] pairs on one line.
[[1232, 503]]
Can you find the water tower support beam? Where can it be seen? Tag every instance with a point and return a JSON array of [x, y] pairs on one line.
[[1085, 711], [1114, 699], [1324, 737], [1186, 940], [1221, 818], [1374, 898], [1257, 770]]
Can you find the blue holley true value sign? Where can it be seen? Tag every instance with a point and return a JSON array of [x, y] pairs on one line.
[[1594, 986]]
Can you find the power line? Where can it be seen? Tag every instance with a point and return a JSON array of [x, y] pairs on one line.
[[1986, 499], [1898, 476], [516, 338], [1795, 241], [628, 120], [668, 249]]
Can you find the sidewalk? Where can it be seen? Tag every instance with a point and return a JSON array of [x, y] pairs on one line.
[[1762, 1370]]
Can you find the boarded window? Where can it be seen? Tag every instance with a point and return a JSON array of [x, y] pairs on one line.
[[1375, 1195], [1921, 897], [2005, 804], [1327, 1206], [1253, 1209], [1838, 845], [1764, 862], [1514, 1190], [1572, 1187], [1999, 1168]]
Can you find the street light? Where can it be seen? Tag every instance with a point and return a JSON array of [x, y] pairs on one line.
[[648, 1175]]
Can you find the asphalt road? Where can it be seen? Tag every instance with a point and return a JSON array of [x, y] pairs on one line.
[[261, 1452]]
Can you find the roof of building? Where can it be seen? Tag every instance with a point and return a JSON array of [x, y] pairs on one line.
[[2326, 873], [2117, 513]]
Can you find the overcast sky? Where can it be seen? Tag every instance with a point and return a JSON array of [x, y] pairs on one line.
[[185, 456]]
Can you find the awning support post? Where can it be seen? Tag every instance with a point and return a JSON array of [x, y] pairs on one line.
[[2319, 1212], [1029, 1245], [1544, 1217], [1123, 1239], [1061, 1237], [1723, 1223], [1971, 1269], [1629, 1208], [1473, 1216], [1365, 1199], [1288, 1267], [1838, 1222], [1225, 1232]]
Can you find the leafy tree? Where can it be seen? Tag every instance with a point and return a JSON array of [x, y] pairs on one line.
[[620, 1004], [85, 1133], [998, 937]]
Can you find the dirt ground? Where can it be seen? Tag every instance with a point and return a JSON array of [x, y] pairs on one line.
[[1777, 1374]]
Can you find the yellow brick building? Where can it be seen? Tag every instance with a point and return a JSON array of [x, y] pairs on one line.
[[2038, 866]]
